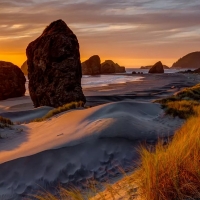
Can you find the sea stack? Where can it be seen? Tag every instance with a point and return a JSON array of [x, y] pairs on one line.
[[157, 68], [54, 67], [109, 67], [92, 66], [12, 81]]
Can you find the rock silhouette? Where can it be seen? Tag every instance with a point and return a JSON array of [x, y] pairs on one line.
[[109, 67], [12, 81], [92, 66], [54, 68], [190, 61], [157, 68]]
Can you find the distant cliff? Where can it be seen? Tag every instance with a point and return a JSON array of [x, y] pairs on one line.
[[191, 60]]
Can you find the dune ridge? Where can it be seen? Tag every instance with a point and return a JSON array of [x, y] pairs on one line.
[[64, 148]]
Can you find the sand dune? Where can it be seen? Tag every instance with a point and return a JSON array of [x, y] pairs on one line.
[[77, 145], [25, 116]]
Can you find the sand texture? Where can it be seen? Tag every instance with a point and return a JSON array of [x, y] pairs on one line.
[[81, 144]]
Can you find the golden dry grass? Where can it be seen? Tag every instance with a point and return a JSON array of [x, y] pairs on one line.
[[60, 109], [173, 172], [183, 108], [182, 104], [190, 93]]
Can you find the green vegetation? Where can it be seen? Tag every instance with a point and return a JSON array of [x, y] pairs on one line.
[[182, 104], [183, 109], [58, 110]]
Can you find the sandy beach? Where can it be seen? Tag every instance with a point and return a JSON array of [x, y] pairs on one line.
[[83, 144]]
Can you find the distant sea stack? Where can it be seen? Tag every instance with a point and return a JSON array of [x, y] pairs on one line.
[[92, 66], [12, 81], [24, 68], [109, 67], [150, 66], [190, 61], [54, 67], [157, 68]]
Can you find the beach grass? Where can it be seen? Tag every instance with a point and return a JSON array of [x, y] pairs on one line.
[[172, 172], [60, 109], [182, 108], [183, 103], [190, 93], [5, 122]]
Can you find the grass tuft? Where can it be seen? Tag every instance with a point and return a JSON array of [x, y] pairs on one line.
[[183, 108], [182, 104], [58, 110], [173, 172], [5, 122]]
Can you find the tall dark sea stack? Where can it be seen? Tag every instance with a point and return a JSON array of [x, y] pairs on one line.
[[54, 67], [12, 81]]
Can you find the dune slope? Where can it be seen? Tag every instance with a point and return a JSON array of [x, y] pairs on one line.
[[78, 145]]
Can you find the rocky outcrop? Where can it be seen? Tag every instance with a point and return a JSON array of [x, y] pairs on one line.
[[92, 66], [134, 72], [197, 71], [150, 66], [24, 68], [12, 81], [157, 68], [189, 71], [109, 67], [54, 67], [190, 61]]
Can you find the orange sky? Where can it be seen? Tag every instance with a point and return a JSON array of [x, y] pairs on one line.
[[133, 34]]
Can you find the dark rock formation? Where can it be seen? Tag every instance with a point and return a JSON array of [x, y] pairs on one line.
[[12, 81], [150, 66], [92, 66], [54, 68], [157, 68], [190, 61], [189, 71], [197, 71], [109, 67], [134, 72], [24, 68]]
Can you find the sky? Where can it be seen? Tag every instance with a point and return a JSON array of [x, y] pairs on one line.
[[132, 33]]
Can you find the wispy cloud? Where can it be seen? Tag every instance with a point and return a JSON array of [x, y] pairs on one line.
[[111, 28]]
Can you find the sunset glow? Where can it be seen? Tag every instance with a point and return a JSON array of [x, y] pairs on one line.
[[133, 34]]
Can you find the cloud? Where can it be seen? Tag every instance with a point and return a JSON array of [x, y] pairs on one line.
[[108, 27]]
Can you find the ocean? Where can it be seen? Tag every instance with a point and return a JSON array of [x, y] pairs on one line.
[[104, 80]]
